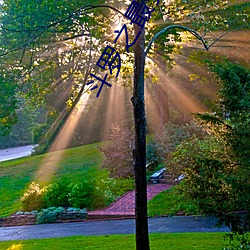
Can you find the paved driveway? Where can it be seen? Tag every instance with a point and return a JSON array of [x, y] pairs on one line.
[[14, 153], [156, 225]]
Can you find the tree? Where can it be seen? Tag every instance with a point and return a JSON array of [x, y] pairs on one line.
[[8, 105], [118, 156], [217, 168], [171, 13]]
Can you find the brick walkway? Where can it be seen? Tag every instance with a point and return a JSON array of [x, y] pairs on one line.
[[124, 207]]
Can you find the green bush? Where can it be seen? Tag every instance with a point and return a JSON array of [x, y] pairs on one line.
[[48, 215], [88, 193], [57, 193], [216, 168], [109, 189], [123, 185], [33, 198], [38, 131], [152, 155], [81, 194], [242, 241], [103, 195]]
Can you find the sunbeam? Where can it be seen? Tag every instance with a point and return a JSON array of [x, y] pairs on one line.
[[50, 163]]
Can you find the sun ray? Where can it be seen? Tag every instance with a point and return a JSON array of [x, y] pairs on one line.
[[51, 162]]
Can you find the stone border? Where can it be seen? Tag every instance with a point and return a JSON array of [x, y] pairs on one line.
[[30, 219]]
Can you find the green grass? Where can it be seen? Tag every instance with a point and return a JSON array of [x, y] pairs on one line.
[[16, 175], [172, 241], [169, 203]]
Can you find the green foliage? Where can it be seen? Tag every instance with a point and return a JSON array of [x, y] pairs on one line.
[[236, 16], [103, 193], [48, 215], [57, 193], [89, 193], [38, 131], [21, 132], [216, 168], [32, 198], [8, 105], [81, 194], [16, 175], [242, 241], [205, 175], [108, 190], [118, 153], [152, 156]]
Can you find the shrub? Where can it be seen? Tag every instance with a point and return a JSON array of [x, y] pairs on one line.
[[33, 197], [216, 168], [48, 215], [103, 194], [109, 189], [243, 242], [123, 185], [57, 193], [73, 209], [152, 155], [81, 194], [38, 131]]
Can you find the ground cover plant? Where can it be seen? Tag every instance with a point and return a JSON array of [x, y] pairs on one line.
[[172, 241]]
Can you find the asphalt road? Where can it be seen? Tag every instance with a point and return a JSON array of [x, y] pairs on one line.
[[156, 225], [14, 153]]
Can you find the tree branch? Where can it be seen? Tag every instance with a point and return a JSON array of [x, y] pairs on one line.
[[76, 12], [166, 29], [42, 29]]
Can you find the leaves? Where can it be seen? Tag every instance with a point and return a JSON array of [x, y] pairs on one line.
[[217, 168], [8, 105]]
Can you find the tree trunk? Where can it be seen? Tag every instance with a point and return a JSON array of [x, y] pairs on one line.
[[139, 151]]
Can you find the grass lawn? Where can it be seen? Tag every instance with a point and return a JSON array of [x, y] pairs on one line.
[[16, 175], [169, 202], [173, 241]]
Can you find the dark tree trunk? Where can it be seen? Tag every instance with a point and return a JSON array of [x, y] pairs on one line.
[[139, 151]]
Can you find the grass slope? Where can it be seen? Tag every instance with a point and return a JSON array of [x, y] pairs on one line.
[[173, 241], [16, 175], [169, 202]]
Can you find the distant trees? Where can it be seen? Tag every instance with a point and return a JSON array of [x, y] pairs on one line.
[[8, 105]]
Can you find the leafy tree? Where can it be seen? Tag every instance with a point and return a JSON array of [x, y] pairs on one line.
[[216, 168], [118, 155], [8, 106]]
